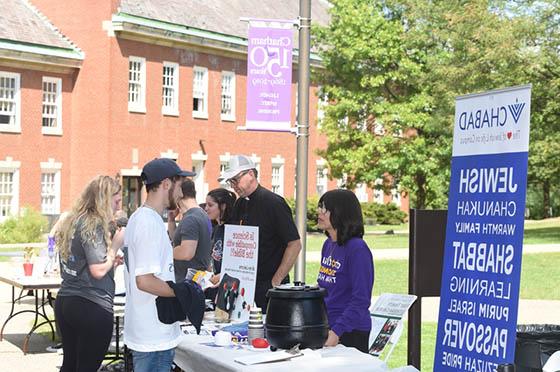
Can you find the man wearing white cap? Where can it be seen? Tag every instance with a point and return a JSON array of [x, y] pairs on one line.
[[279, 241]]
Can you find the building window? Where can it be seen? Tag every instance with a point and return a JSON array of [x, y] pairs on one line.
[[6, 194], [9, 188], [277, 179], [9, 102], [378, 192], [322, 103], [132, 194], [200, 92], [278, 175], [228, 96], [224, 161], [361, 192], [170, 90], [257, 161], [396, 196], [50, 193], [50, 187], [136, 84], [52, 106], [198, 166], [321, 180]]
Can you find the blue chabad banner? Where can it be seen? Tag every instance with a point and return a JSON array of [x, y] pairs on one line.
[[484, 233]]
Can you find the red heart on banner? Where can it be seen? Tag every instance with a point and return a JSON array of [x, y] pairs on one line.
[[509, 135]]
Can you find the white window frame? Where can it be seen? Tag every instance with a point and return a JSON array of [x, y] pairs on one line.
[[321, 179], [15, 127], [54, 168], [11, 166], [361, 192], [57, 129], [257, 161], [224, 162], [140, 105], [379, 194], [278, 163], [173, 108], [231, 115], [200, 114], [322, 104], [396, 196], [169, 154], [199, 167]]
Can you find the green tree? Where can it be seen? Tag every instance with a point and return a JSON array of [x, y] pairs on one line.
[[544, 153], [392, 72]]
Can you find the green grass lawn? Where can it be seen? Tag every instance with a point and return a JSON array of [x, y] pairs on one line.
[[398, 357], [542, 232], [539, 276], [377, 241], [536, 232], [383, 228]]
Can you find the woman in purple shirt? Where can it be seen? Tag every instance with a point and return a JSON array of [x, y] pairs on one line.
[[346, 269]]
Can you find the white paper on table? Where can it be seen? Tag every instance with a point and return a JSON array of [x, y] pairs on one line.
[[553, 363], [266, 358]]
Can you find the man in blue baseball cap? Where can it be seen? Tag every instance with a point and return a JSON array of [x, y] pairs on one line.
[[148, 265]]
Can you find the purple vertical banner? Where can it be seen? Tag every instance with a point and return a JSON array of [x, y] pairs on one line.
[[269, 76]]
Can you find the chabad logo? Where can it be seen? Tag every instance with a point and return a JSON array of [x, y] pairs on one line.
[[516, 109], [490, 117]]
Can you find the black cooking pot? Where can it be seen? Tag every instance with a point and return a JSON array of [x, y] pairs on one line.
[[296, 315]]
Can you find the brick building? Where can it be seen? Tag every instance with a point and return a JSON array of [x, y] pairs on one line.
[[103, 87]]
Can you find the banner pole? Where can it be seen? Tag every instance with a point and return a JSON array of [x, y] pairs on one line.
[[302, 133]]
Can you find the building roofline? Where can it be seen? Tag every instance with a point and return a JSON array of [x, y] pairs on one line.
[[39, 57], [161, 32], [50, 25]]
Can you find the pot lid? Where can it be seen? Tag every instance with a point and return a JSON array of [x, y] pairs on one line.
[[296, 287], [296, 291]]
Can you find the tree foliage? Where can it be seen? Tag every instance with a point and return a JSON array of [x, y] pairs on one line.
[[392, 72], [544, 153]]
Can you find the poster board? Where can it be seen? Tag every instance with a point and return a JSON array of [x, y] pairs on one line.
[[484, 234], [386, 318], [239, 262]]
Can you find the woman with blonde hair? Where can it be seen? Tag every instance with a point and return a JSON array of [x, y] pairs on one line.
[[88, 256]]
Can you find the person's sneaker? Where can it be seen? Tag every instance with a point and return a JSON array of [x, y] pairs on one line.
[[54, 348]]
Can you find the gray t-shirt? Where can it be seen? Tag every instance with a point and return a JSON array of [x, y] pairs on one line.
[[193, 226], [76, 277]]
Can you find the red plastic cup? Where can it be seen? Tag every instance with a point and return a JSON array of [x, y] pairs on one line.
[[28, 268]]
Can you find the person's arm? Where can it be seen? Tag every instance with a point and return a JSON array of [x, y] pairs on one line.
[[290, 256], [287, 232], [186, 250], [99, 270], [360, 269], [153, 285], [171, 225]]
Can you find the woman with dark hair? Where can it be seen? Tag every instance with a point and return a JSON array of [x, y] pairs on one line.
[[346, 269], [219, 203]]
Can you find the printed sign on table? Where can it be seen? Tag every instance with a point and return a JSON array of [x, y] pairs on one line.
[[269, 76], [386, 315], [484, 235], [239, 266]]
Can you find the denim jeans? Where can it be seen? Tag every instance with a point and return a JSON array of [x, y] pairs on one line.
[[153, 361]]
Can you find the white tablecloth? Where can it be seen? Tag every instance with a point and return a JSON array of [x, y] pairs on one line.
[[192, 355]]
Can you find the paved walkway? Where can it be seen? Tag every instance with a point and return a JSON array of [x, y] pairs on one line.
[[11, 354]]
